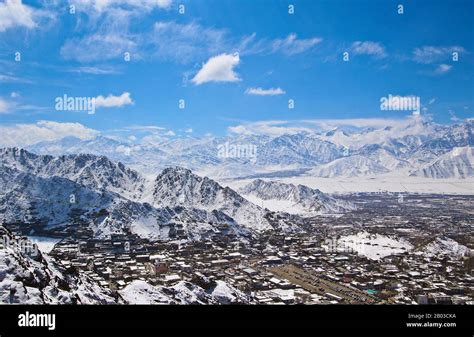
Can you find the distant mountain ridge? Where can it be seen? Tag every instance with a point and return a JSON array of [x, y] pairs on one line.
[[367, 152]]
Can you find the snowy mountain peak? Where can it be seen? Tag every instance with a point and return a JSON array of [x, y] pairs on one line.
[[89, 170], [179, 186], [293, 198], [457, 163]]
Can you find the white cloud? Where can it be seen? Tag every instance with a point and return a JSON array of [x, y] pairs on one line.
[[190, 130], [170, 133], [432, 54], [113, 101], [291, 45], [21, 135], [13, 13], [370, 48], [443, 69], [14, 94], [219, 68], [265, 92], [163, 3]]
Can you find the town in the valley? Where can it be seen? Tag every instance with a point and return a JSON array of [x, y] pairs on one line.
[[393, 249]]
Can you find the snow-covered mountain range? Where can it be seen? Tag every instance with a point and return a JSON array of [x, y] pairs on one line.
[[457, 163], [107, 197], [404, 150]]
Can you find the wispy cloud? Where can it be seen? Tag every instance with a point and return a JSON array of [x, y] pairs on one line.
[[281, 127], [105, 36], [328, 124], [28, 134], [219, 68], [4, 106], [93, 70], [13, 79], [185, 43], [145, 128], [371, 48], [98, 47], [443, 69], [432, 54], [13, 104], [109, 36], [99, 6], [265, 92], [269, 128], [291, 45]]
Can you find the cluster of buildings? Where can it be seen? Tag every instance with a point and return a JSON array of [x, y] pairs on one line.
[[300, 267]]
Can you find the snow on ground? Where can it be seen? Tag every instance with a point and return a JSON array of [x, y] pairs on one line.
[[45, 244], [374, 246], [226, 294], [28, 280], [445, 246], [141, 292], [386, 183], [146, 227], [277, 205]]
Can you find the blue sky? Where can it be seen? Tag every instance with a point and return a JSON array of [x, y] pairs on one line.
[[193, 56]]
